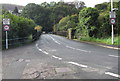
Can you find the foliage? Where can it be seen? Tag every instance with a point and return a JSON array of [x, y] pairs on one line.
[[102, 40], [102, 7], [20, 27], [38, 28], [88, 25], [67, 22], [48, 14]]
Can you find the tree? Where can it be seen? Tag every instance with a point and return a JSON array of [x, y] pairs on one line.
[[47, 15], [38, 13], [102, 7], [20, 27], [45, 4], [67, 22], [79, 4], [87, 22]]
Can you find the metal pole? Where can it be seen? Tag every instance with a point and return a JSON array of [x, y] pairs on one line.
[[112, 34], [112, 24], [6, 40], [111, 5]]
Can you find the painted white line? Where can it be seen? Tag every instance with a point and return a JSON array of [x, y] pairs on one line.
[[20, 60], [45, 52], [57, 42], [70, 47], [114, 56], [36, 45], [77, 49], [83, 50], [57, 57], [81, 65], [112, 74], [54, 40], [42, 50]]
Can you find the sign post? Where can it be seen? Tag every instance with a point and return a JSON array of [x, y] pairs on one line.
[[112, 20], [6, 40], [6, 23]]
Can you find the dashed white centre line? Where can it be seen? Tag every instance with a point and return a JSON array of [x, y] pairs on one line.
[[55, 40], [70, 47], [77, 49], [112, 74], [81, 65], [57, 57], [114, 56]]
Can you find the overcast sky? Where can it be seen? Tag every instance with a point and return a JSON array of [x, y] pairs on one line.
[[89, 3]]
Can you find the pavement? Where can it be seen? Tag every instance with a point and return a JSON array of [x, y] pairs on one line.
[[55, 57]]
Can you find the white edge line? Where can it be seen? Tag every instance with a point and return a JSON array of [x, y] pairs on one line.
[[41, 50], [57, 57], [113, 56], [112, 74], [45, 52], [81, 65]]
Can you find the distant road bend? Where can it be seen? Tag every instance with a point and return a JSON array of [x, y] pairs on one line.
[[55, 57]]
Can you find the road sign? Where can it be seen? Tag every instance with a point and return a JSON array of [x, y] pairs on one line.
[[6, 21], [112, 14], [6, 27], [112, 21]]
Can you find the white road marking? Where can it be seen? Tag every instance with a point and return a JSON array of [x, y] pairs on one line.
[[45, 52], [57, 57], [83, 50], [27, 60], [52, 50], [70, 47], [41, 50], [36, 45], [81, 65], [20, 60], [54, 40], [114, 56], [77, 49], [112, 74]]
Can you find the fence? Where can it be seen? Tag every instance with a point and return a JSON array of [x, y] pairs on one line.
[[15, 42]]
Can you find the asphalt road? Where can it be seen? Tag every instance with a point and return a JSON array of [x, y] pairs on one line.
[[55, 57]]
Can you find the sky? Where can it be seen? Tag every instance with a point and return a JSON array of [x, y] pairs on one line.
[[89, 3]]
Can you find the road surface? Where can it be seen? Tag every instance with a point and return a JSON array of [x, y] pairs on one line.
[[55, 57]]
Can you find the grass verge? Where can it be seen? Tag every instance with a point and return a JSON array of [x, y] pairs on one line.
[[107, 41]]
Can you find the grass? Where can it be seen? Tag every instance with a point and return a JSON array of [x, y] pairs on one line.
[[107, 41]]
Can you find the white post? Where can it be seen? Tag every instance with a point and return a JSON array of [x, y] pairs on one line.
[[6, 40], [112, 34], [112, 24], [111, 5]]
